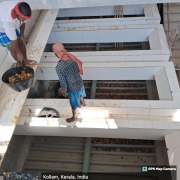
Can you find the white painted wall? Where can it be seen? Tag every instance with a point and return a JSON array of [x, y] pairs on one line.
[[100, 11]]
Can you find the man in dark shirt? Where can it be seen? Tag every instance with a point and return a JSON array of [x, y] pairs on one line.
[[69, 69]]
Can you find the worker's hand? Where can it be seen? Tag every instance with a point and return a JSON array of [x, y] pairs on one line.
[[64, 95], [22, 39], [20, 56]]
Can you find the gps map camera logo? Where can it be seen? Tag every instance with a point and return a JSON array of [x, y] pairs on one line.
[[144, 169]]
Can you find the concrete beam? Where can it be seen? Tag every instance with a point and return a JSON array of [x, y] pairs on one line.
[[11, 102], [49, 4], [110, 128]]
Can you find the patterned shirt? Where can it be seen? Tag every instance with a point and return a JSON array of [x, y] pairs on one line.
[[69, 76]]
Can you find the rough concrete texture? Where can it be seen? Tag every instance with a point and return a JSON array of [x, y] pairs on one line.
[[13, 153]]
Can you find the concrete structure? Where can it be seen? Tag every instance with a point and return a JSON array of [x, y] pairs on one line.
[[149, 11], [133, 33], [48, 4], [116, 118], [147, 119]]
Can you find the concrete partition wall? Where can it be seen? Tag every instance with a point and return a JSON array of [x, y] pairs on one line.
[[135, 33], [108, 118], [163, 85], [150, 11], [101, 11], [56, 4]]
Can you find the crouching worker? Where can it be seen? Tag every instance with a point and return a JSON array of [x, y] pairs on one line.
[[69, 69], [13, 16]]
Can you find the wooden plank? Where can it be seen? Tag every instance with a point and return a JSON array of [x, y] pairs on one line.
[[177, 45], [176, 61], [172, 17], [176, 53], [172, 10], [172, 4], [173, 25], [173, 34]]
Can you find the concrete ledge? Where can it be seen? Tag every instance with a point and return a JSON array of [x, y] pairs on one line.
[[99, 128], [150, 11], [47, 4]]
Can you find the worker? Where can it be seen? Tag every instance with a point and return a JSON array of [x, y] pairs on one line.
[[13, 16], [69, 70]]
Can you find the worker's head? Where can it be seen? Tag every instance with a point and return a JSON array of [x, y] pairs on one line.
[[22, 11], [59, 50]]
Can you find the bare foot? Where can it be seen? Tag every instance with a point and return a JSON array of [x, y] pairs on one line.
[[82, 102], [72, 119], [31, 63]]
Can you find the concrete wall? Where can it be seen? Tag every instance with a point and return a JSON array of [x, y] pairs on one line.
[[150, 10], [104, 73], [56, 4], [107, 118], [163, 86], [100, 36], [100, 11], [134, 33]]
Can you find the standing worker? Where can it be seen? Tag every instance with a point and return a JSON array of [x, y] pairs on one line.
[[69, 69], [13, 16]]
